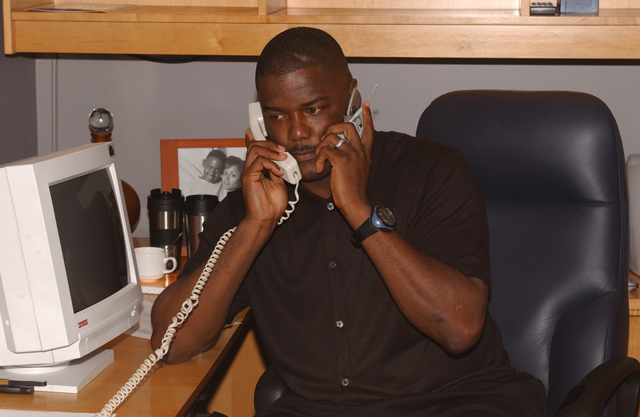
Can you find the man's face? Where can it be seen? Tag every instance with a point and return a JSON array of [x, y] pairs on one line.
[[298, 107], [212, 170]]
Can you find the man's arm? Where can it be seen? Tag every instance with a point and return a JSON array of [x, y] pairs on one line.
[[207, 320], [265, 201], [437, 299]]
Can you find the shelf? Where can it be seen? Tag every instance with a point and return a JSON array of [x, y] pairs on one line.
[[502, 29]]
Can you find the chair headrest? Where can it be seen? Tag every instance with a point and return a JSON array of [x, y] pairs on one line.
[[531, 145]]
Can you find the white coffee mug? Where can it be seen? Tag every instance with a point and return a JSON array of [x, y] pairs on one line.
[[152, 262]]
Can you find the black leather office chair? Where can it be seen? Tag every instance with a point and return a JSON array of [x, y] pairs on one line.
[[551, 168]]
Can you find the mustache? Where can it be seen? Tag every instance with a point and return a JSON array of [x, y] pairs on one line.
[[301, 148]]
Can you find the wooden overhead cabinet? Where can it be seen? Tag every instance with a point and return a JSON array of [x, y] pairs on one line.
[[365, 28]]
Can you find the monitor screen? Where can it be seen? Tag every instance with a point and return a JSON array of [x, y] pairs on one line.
[[91, 238], [68, 279]]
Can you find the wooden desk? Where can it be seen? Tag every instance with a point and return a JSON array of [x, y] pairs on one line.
[[168, 390]]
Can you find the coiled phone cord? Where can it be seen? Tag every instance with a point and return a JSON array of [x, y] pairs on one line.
[[288, 212], [187, 306]]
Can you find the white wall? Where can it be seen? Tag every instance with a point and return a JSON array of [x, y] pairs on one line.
[[208, 99]]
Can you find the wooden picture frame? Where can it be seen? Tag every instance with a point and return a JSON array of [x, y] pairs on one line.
[[174, 163]]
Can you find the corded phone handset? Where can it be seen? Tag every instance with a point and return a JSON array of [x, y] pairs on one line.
[[291, 175], [256, 122]]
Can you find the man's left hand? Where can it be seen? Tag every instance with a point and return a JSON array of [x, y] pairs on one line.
[[350, 166]]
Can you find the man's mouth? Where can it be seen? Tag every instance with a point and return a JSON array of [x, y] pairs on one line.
[[304, 156], [302, 153]]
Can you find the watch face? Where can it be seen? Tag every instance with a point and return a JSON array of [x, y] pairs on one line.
[[386, 216]]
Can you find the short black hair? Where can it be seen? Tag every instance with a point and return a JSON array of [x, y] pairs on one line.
[[298, 48], [218, 154], [234, 161]]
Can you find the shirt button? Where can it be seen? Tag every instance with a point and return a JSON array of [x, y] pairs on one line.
[[332, 264], [339, 324], [345, 382], [330, 206]]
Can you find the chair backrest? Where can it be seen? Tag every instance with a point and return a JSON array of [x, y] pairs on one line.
[[551, 168]]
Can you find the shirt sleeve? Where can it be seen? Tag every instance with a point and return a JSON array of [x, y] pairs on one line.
[[450, 222]]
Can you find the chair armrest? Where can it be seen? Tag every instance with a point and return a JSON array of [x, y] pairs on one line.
[[619, 375], [268, 389]]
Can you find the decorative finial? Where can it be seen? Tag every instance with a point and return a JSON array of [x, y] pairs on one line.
[[100, 125]]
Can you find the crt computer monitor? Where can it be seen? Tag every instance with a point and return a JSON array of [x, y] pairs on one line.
[[68, 279]]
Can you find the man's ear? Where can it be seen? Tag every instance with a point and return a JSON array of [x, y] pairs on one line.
[[353, 84]]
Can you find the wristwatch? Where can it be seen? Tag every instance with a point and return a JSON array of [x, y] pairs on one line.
[[381, 218]]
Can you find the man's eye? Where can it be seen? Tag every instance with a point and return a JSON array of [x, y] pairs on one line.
[[313, 110], [276, 117]]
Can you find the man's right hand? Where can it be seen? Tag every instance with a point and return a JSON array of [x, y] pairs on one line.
[[265, 196]]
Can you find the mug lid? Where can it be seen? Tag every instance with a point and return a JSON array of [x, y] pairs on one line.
[[159, 200], [200, 204]]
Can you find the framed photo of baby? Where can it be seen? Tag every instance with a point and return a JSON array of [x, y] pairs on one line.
[[202, 166]]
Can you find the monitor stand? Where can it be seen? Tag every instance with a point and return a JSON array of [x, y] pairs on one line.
[[68, 377]]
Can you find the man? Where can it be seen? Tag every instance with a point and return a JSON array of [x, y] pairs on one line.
[[211, 180], [357, 322]]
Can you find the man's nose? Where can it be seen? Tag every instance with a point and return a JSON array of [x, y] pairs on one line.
[[298, 129]]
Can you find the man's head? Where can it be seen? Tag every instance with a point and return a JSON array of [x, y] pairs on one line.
[[303, 83], [299, 48], [213, 165], [231, 174]]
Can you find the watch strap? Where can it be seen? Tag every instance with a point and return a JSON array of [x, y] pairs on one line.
[[365, 230]]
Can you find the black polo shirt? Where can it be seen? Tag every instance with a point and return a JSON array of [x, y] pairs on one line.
[[324, 314]]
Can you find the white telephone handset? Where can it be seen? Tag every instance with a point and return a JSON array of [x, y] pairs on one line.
[[256, 122]]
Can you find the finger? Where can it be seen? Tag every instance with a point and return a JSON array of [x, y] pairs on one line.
[[331, 154], [328, 139], [248, 137], [336, 139], [250, 141], [255, 170], [321, 158], [347, 130], [266, 149], [367, 128]]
